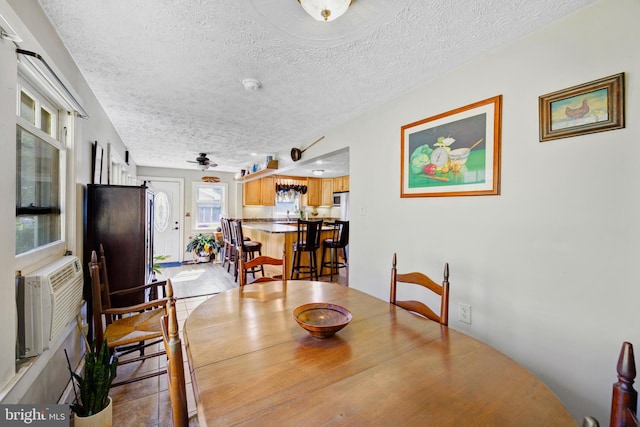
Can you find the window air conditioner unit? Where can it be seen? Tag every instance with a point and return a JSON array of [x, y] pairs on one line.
[[47, 301]]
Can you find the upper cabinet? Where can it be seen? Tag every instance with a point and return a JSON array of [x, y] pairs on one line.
[[260, 192], [314, 191], [319, 191], [327, 192], [341, 184], [268, 192]]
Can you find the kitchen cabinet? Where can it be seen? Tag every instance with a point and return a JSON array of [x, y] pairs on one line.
[[327, 192], [268, 191], [319, 191], [314, 191], [259, 192], [341, 184], [252, 192]]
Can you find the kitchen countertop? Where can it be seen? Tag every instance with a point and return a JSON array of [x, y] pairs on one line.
[[275, 228], [270, 227]]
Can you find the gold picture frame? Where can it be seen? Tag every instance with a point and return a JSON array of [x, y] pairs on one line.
[[456, 153], [596, 106]]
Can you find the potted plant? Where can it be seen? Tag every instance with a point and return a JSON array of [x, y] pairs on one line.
[[202, 247], [92, 405], [157, 265]]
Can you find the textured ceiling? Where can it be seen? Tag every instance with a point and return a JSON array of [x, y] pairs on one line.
[[169, 72]]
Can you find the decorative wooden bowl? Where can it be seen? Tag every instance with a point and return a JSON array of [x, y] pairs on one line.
[[321, 319]]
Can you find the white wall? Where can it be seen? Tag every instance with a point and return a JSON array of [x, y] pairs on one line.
[[549, 266], [31, 24]]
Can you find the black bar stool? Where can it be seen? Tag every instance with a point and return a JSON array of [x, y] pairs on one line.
[[339, 240], [308, 240], [247, 249]]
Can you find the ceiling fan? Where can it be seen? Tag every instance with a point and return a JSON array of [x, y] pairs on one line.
[[203, 162]]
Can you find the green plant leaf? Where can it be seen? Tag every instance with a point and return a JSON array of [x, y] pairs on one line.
[[99, 371]]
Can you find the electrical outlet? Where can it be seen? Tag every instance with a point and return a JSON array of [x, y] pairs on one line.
[[464, 313]]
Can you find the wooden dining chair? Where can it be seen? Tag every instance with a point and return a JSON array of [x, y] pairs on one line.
[[175, 365], [126, 329], [624, 400], [420, 279], [259, 263]]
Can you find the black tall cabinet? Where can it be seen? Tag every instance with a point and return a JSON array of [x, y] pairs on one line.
[[121, 219]]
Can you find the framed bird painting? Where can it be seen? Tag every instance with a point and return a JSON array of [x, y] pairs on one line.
[[591, 107]]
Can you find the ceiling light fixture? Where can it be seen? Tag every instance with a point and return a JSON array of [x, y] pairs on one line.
[[325, 10], [317, 172]]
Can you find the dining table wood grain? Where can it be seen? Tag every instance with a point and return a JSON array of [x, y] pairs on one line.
[[252, 364]]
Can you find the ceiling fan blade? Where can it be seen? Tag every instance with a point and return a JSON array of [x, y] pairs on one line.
[[203, 161]]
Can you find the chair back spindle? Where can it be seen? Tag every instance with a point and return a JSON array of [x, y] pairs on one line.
[[97, 296], [624, 402], [175, 366]]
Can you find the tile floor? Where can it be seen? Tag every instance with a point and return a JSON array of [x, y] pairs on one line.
[[146, 402]]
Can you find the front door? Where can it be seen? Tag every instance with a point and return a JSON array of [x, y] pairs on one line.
[[168, 206]]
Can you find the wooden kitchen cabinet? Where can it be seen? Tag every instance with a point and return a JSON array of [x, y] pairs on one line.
[[319, 191], [345, 183], [337, 184], [252, 192], [327, 192], [341, 184], [268, 193], [259, 192], [314, 191]]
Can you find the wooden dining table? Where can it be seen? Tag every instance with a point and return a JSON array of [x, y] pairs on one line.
[[252, 364]]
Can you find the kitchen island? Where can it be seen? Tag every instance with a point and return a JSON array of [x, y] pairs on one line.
[[279, 237]]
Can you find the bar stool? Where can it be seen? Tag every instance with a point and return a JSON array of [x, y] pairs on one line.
[[308, 240], [247, 249], [339, 240], [227, 246]]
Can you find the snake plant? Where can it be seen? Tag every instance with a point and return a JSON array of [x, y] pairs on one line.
[[99, 372]]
